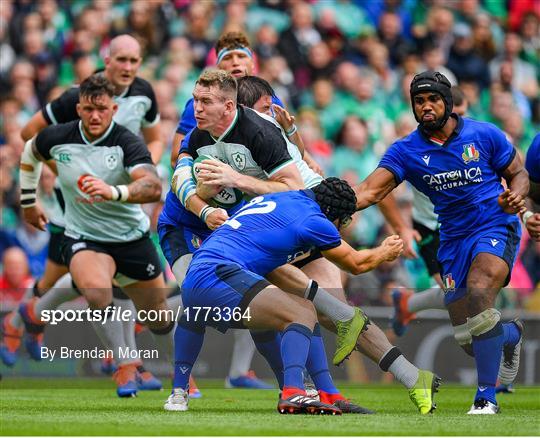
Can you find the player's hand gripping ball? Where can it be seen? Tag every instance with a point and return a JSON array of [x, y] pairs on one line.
[[226, 197]]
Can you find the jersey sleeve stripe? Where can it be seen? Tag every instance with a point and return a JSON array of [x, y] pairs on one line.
[[50, 113], [146, 124], [329, 246], [279, 167]]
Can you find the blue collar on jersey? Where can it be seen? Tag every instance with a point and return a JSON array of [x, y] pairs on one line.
[[459, 126], [309, 193]]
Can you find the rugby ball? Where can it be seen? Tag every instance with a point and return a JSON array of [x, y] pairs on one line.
[[228, 197]]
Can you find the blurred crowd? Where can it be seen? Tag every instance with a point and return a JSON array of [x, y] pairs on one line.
[[342, 67]]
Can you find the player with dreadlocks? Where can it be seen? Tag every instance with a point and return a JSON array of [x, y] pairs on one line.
[[458, 163]]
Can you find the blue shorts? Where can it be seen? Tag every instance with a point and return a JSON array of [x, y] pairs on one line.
[[177, 240], [456, 256], [225, 288]]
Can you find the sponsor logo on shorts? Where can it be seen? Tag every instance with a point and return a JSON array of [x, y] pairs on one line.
[[151, 269], [449, 283], [494, 242], [78, 246]]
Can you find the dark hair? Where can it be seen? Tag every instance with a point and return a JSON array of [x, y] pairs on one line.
[[458, 96], [251, 89], [232, 40], [336, 198], [94, 86]]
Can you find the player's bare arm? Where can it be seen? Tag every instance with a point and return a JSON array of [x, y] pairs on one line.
[[512, 200], [152, 137], [358, 262], [145, 188], [390, 211], [30, 172], [34, 126], [221, 174], [374, 188]]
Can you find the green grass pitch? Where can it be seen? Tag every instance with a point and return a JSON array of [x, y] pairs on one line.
[[90, 407]]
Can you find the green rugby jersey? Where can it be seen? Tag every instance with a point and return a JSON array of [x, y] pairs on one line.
[[111, 158]]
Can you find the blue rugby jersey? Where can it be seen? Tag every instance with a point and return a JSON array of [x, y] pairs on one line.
[[269, 232], [462, 177], [532, 162]]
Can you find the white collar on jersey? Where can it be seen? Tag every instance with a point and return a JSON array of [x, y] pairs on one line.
[[222, 136], [106, 133]]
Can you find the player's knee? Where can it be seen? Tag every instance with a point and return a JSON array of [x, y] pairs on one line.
[[98, 298], [464, 338], [300, 313], [483, 322]]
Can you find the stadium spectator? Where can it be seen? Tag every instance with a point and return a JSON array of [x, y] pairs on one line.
[[463, 60], [525, 76], [294, 42], [15, 278]]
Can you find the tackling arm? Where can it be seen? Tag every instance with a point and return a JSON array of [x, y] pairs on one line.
[[374, 188], [357, 262]]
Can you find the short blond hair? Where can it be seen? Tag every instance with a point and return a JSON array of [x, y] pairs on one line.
[[223, 80]]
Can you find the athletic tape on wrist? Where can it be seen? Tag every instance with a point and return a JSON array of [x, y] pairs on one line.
[[28, 198], [115, 193], [124, 192], [526, 216], [292, 130]]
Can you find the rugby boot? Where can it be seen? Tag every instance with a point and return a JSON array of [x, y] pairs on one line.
[[422, 394], [347, 335]]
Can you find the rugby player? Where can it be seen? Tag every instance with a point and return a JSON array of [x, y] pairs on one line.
[[458, 163], [256, 93], [531, 219], [104, 172], [258, 138], [138, 111], [235, 55], [426, 223], [227, 273]]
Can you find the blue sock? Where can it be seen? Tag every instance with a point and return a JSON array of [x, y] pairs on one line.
[[511, 333], [295, 341], [487, 354], [317, 364], [268, 343], [188, 342]]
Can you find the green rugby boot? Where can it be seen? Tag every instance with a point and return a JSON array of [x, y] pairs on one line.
[[347, 335], [423, 391]]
